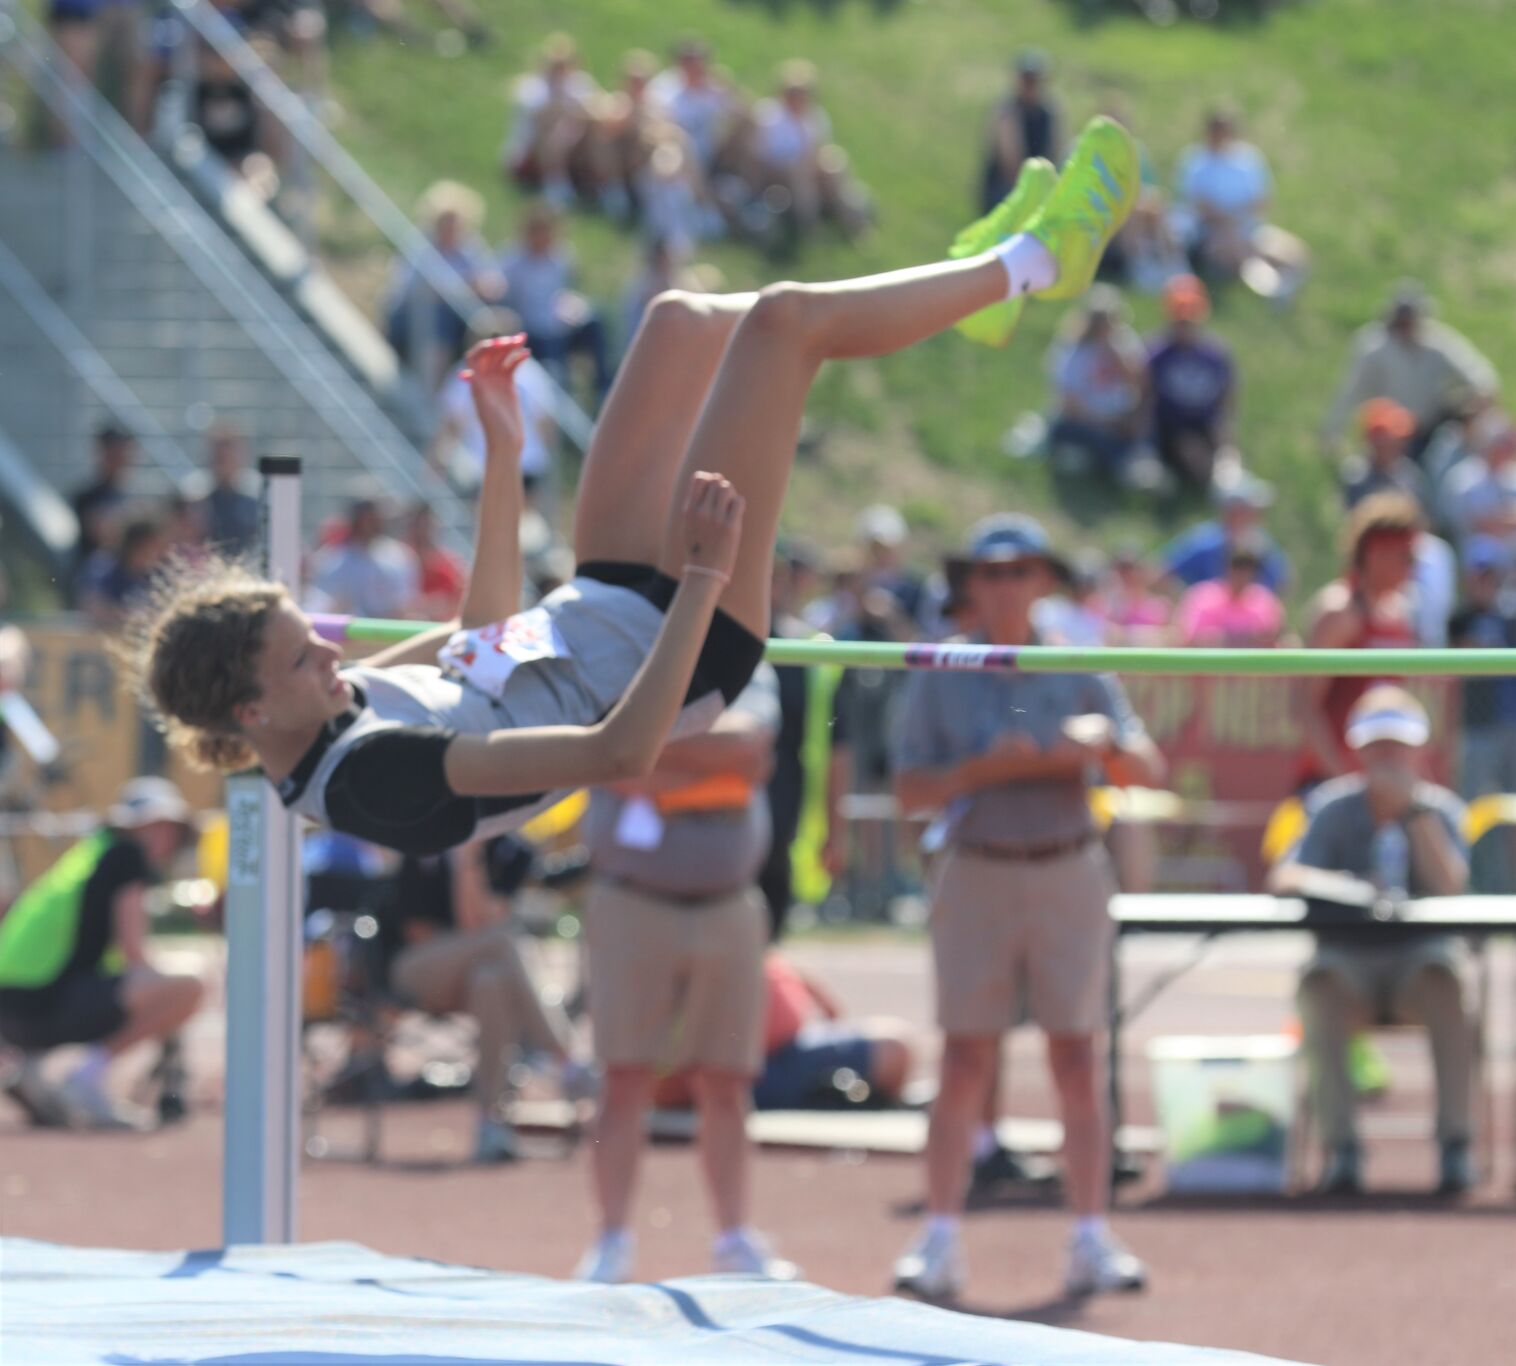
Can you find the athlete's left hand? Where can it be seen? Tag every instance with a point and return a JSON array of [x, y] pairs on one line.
[[491, 373]]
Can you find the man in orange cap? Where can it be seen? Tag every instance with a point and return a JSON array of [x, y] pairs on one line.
[[1387, 429], [1192, 382]]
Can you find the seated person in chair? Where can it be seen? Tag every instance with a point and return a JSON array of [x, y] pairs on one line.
[[1384, 832], [73, 958]]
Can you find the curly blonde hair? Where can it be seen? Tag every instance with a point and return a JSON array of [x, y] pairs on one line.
[[191, 656]]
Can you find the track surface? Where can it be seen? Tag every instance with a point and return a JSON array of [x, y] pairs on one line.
[[1397, 1277]]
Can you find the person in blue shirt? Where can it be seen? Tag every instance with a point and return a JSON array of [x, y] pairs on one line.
[[1201, 553]]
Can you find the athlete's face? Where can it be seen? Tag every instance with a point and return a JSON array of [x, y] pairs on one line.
[[297, 677]]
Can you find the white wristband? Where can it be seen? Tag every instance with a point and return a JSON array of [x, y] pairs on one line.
[[705, 571]]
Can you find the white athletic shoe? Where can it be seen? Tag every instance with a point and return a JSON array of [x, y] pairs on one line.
[[609, 1260], [932, 1267], [1100, 1262], [745, 1253], [90, 1107]]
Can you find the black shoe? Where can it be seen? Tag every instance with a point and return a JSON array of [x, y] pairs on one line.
[[998, 1167], [1456, 1170], [1342, 1174]]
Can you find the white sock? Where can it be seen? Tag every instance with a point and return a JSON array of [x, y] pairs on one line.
[[1029, 266], [942, 1226], [1089, 1226], [91, 1069], [985, 1142]]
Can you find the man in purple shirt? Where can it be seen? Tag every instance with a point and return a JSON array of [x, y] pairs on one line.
[[1192, 382]]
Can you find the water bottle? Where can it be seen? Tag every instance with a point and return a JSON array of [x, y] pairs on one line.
[[1390, 860]]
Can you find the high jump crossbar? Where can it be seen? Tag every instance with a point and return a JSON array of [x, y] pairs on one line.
[[1171, 661]]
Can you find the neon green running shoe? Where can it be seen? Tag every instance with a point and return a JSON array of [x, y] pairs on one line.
[[1093, 197], [994, 325]]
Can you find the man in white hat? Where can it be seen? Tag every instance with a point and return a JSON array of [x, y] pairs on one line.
[[73, 955], [1386, 833]]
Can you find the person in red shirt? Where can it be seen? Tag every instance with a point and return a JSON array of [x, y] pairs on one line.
[[444, 576]]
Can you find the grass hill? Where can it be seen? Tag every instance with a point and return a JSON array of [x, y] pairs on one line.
[[1388, 123]]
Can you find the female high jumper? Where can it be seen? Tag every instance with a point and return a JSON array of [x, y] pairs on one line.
[[466, 730]]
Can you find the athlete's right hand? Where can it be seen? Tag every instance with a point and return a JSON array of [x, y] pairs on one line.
[[712, 528], [490, 369]]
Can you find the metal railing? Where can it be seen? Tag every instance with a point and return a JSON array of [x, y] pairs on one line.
[[100, 138], [311, 139]]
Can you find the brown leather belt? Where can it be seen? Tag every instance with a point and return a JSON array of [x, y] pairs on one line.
[[1032, 853]]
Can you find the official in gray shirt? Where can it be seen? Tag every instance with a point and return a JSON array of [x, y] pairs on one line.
[[1387, 832], [1020, 895], [676, 929]]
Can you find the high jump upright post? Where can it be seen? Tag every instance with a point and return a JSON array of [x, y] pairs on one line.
[[261, 1153]]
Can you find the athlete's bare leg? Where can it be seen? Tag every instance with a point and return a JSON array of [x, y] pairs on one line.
[[638, 448], [750, 422]]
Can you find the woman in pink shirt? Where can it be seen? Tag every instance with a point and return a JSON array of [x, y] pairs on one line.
[[1233, 611]]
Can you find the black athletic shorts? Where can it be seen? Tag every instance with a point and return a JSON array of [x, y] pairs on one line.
[[83, 1008]]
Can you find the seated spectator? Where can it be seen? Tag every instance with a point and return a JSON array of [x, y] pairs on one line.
[[423, 327], [628, 125], [455, 952], [1135, 613], [1485, 620], [663, 268], [1237, 611], [794, 153], [1387, 430], [1193, 385], [114, 580], [1023, 125], [1384, 833], [225, 493], [698, 101], [1099, 374], [1480, 494], [539, 278], [1144, 253], [1424, 365], [1074, 612], [367, 574], [1434, 584], [1203, 552], [882, 535], [74, 965], [444, 575], [456, 450], [548, 144], [184, 536], [671, 195], [98, 504], [1223, 193]]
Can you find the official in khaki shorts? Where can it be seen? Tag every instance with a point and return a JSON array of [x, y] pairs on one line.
[[1020, 894], [676, 929]]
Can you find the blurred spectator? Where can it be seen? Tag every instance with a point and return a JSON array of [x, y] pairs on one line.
[[794, 153], [444, 576], [1424, 365], [104, 38], [560, 324], [456, 450], [74, 966], [670, 191], [1074, 612], [1224, 189], [1099, 373], [1193, 386], [184, 529], [1485, 621], [423, 327], [1387, 430], [1144, 253], [1135, 612], [1237, 611], [547, 144], [368, 574], [881, 534], [1203, 552], [1434, 582], [1369, 607], [229, 507], [1023, 125], [114, 579], [628, 125], [702, 105], [222, 106], [663, 268], [1480, 494], [1391, 834], [808, 1041], [456, 953], [98, 502], [834, 612]]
